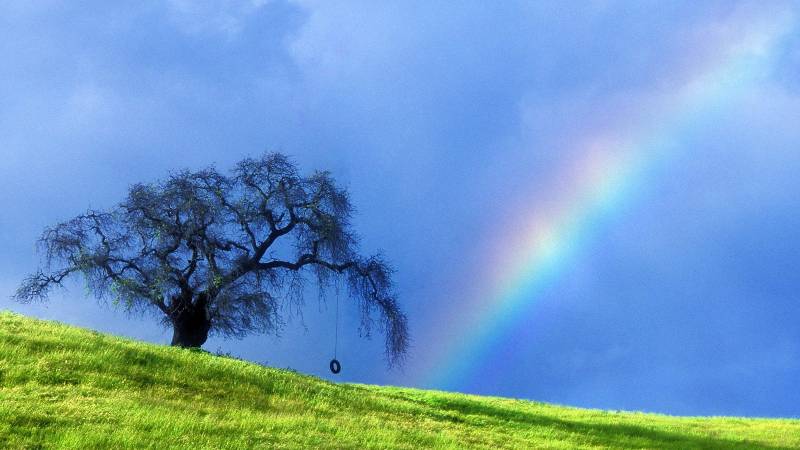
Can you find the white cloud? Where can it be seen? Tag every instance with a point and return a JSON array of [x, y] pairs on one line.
[[224, 17], [336, 44]]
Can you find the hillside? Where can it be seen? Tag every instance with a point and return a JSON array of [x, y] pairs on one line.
[[67, 387]]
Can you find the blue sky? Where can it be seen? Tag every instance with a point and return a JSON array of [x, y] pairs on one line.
[[440, 117]]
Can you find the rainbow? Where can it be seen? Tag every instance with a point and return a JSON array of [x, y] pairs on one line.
[[612, 171]]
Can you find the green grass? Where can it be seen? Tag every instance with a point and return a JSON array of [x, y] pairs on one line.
[[66, 387]]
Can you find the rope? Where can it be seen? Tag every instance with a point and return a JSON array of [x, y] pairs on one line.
[[336, 335]]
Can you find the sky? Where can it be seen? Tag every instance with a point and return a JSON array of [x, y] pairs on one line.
[[591, 203]]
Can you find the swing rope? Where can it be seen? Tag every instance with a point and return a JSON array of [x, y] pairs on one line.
[[335, 366], [336, 334]]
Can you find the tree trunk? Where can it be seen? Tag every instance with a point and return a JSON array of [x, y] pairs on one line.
[[190, 327]]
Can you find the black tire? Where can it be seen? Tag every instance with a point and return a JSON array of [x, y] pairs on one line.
[[335, 366]]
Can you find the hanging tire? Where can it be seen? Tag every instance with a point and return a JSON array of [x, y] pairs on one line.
[[335, 366]]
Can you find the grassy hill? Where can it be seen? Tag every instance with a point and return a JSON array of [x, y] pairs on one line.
[[66, 387]]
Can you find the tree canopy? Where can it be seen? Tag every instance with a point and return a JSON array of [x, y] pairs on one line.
[[215, 253]]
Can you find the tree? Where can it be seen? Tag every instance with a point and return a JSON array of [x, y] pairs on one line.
[[211, 253]]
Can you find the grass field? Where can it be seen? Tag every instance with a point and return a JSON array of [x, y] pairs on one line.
[[66, 387]]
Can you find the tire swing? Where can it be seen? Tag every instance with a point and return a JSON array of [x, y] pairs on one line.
[[335, 365]]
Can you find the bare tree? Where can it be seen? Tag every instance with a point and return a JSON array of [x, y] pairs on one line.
[[211, 253]]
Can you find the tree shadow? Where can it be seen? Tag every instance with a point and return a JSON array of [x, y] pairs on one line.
[[603, 434]]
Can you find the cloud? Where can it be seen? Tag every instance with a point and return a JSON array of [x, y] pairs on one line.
[[224, 18]]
